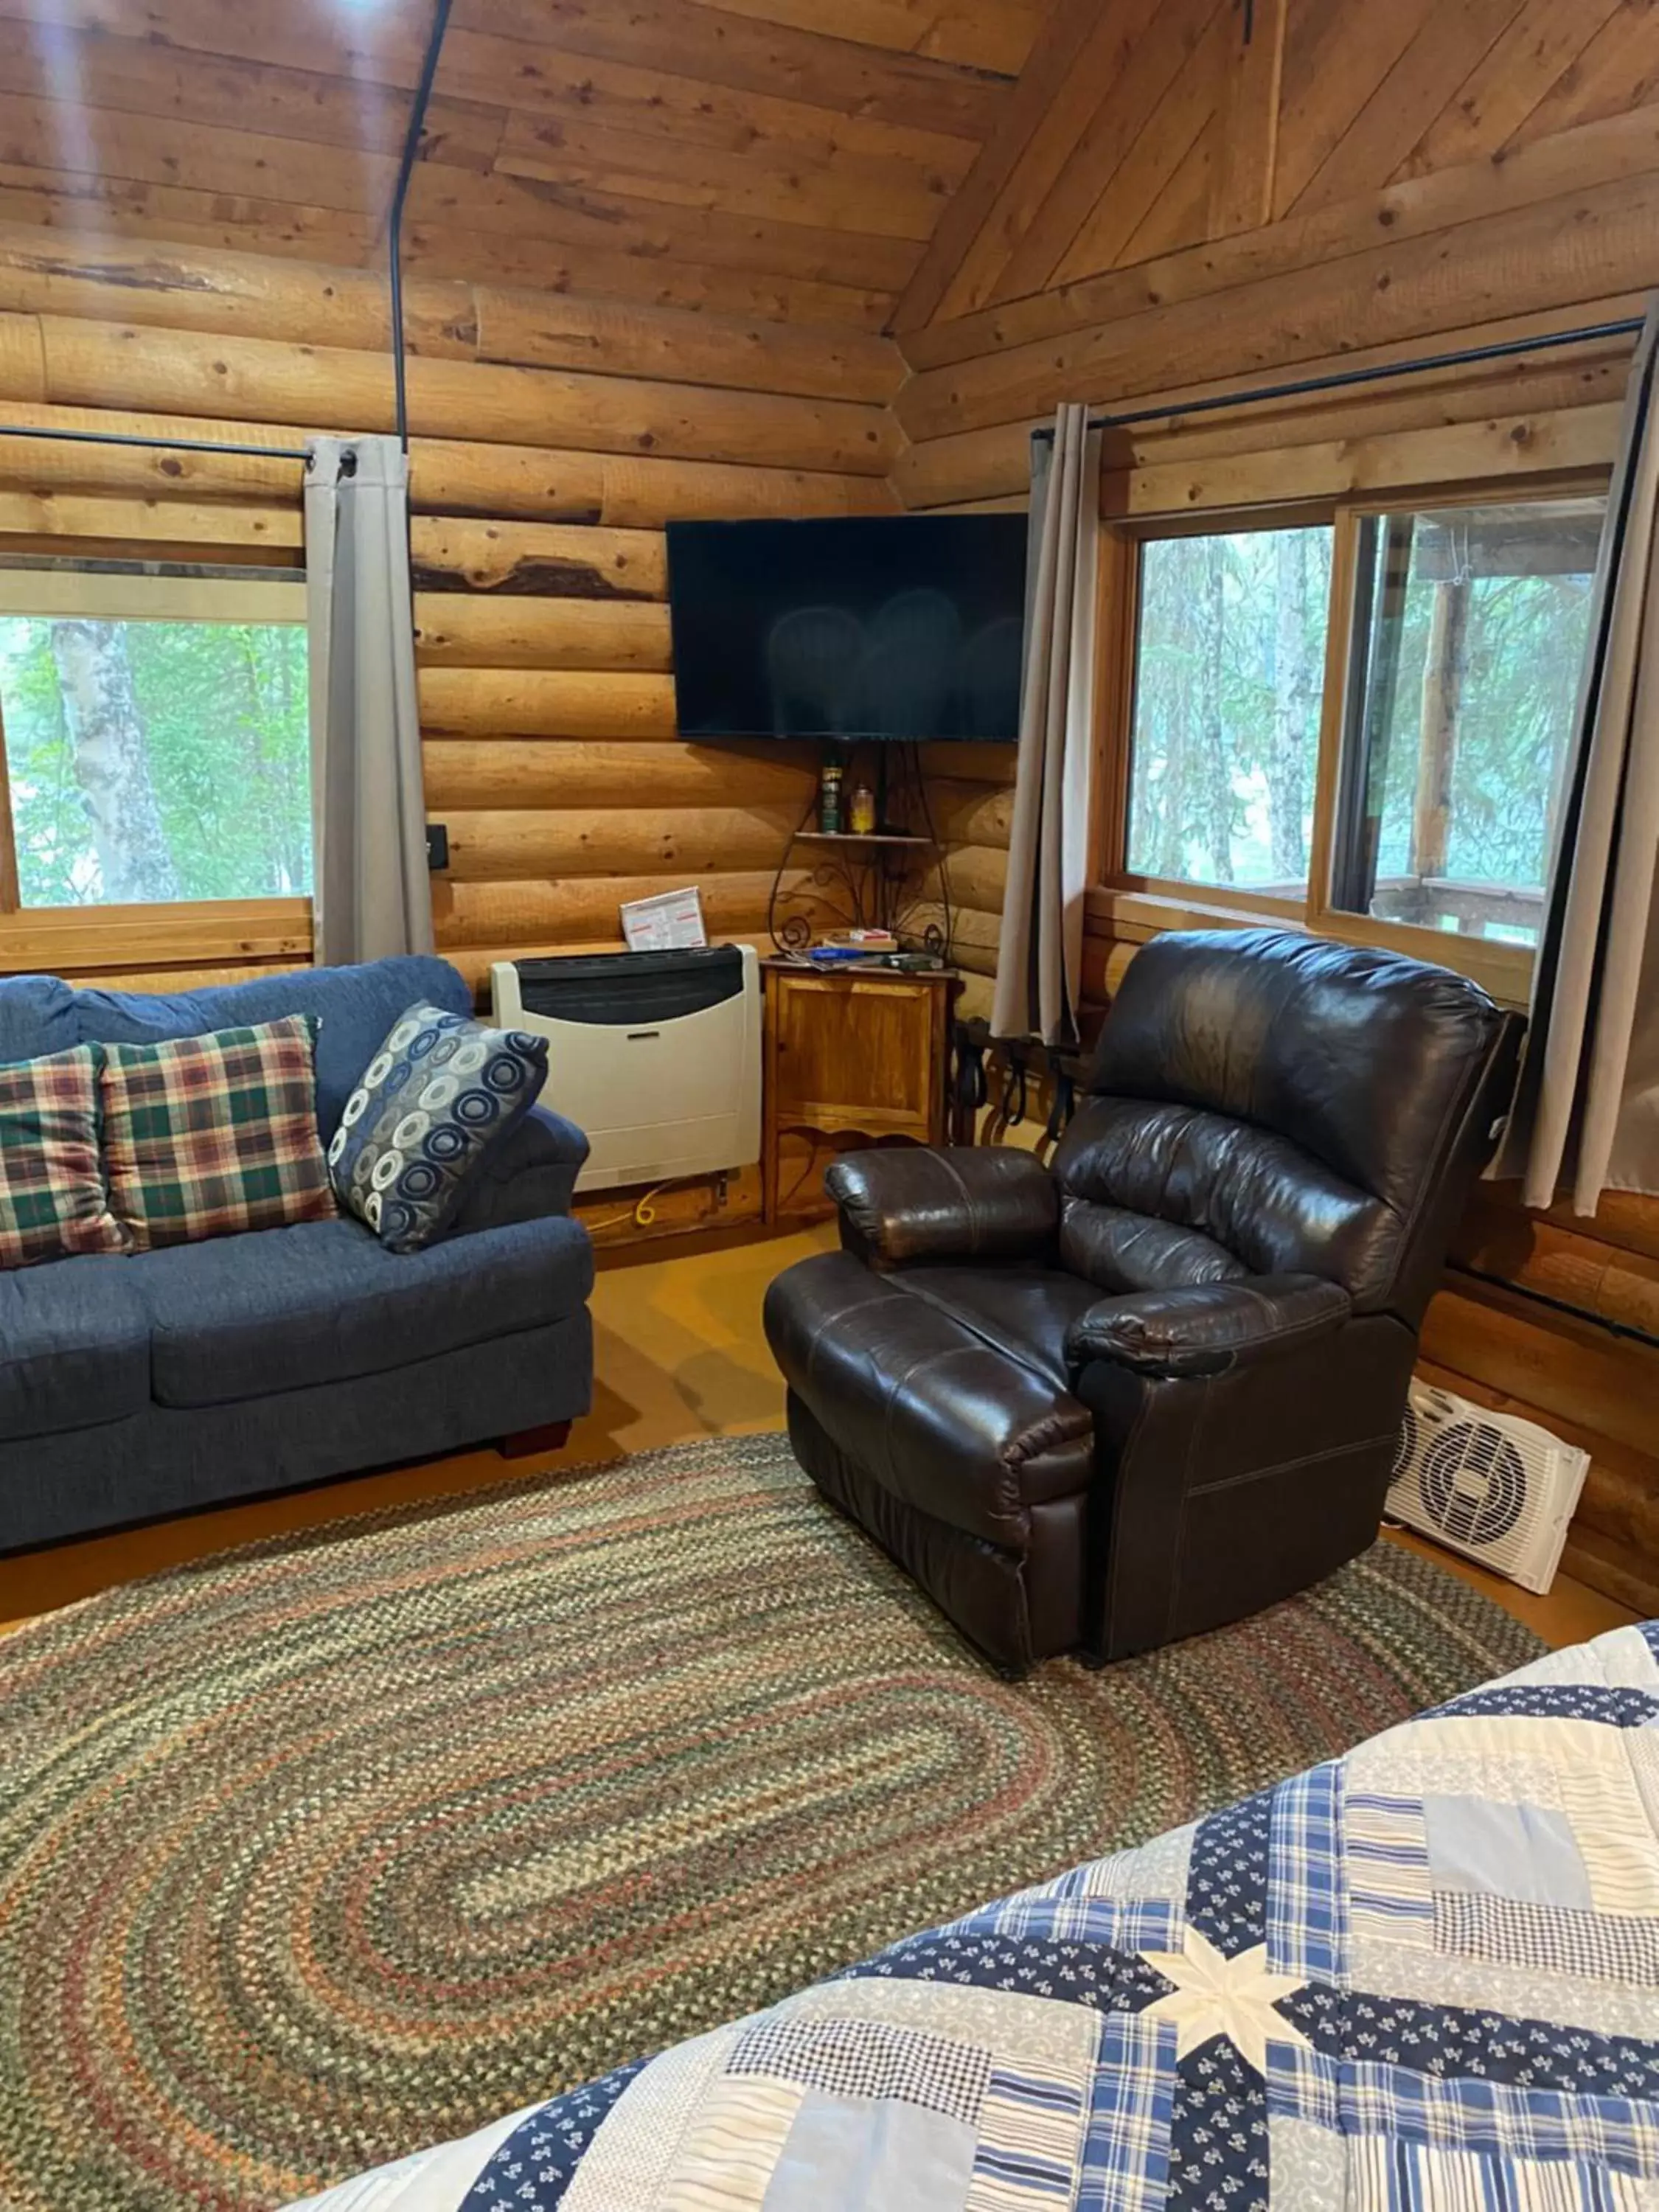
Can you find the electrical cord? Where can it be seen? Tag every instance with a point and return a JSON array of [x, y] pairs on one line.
[[641, 1214]]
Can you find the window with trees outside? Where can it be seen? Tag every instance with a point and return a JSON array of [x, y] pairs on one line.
[[1364, 717], [156, 735]]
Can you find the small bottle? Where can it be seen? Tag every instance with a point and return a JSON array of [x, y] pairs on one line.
[[863, 820], [830, 800]]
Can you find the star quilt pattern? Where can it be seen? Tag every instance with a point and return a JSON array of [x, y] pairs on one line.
[[1424, 1976]]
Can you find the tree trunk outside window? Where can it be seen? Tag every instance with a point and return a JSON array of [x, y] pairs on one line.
[[112, 761]]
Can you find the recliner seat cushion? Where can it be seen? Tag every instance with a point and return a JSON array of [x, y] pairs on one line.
[[74, 1347], [956, 1399], [282, 1309]]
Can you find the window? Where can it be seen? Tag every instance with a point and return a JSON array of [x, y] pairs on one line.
[[1469, 635], [1362, 720], [1229, 678], [156, 734]]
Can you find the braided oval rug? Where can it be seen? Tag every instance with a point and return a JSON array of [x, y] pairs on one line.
[[319, 1852]]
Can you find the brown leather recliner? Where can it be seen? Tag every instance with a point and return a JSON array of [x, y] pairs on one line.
[[1156, 1385]]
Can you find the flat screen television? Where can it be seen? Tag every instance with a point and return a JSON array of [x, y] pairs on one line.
[[884, 627]]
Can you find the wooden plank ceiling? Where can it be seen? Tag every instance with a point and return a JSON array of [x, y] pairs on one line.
[[1145, 128], [734, 156]]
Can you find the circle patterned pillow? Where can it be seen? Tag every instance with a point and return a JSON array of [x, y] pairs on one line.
[[439, 1095]]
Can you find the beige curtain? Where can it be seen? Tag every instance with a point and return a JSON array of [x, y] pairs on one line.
[[371, 893], [1040, 956], [1587, 1112]]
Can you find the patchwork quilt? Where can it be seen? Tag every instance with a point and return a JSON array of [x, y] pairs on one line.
[[1423, 1975]]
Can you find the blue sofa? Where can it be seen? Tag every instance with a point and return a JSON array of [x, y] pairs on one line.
[[184, 1377]]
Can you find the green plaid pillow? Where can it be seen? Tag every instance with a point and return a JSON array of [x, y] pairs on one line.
[[53, 1204], [205, 1136]]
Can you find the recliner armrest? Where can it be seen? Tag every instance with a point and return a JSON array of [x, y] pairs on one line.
[[532, 1174], [965, 1203], [1206, 1328]]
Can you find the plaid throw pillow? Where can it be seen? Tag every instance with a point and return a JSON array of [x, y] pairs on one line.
[[205, 1136], [53, 1201], [434, 1102]]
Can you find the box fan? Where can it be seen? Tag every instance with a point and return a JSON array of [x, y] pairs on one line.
[[1499, 1490]]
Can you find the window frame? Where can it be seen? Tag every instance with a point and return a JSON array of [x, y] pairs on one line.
[[1140, 905], [98, 940]]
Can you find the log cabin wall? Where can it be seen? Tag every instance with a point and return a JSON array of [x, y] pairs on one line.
[[1167, 212], [539, 494], [652, 252]]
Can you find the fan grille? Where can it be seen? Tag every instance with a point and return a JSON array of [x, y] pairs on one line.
[[1474, 1483]]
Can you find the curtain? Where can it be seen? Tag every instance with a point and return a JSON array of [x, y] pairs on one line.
[[371, 893], [1588, 1111], [1039, 954]]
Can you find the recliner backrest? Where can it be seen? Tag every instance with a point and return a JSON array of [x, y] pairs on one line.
[[1264, 1102]]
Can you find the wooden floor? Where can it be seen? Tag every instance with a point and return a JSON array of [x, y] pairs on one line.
[[679, 1354]]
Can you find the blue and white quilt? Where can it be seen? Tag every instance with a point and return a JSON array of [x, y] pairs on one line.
[[1423, 1975]]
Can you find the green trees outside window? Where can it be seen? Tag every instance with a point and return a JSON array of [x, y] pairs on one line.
[[151, 761], [1462, 632]]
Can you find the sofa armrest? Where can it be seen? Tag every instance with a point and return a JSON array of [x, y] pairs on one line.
[[531, 1174], [1207, 1328], [969, 1203]]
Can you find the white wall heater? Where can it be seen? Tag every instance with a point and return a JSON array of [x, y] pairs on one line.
[[657, 1055]]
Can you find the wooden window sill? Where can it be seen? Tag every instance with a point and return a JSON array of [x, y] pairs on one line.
[[1136, 914]]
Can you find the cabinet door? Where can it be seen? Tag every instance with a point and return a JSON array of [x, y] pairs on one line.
[[853, 1053]]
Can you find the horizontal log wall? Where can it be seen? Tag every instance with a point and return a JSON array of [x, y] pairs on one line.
[[553, 438]]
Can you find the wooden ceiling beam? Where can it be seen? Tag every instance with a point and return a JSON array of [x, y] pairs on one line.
[[657, 279], [633, 95], [1335, 56], [578, 216], [1494, 101], [1618, 70], [982, 35], [50, 134], [165, 83], [887, 199], [65, 206], [1605, 241], [1624, 146], [366, 45], [1451, 44], [1069, 170], [1171, 126], [1070, 27], [685, 40]]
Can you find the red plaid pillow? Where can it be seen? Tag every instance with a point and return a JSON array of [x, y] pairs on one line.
[[205, 1136], [53, 1201]]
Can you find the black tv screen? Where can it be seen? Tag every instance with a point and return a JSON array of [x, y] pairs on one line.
[[902, 627]]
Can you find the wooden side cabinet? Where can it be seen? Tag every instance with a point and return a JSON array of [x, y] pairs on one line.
[[853, 1059]]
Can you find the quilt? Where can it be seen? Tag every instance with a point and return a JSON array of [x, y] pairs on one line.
[[1425, 1975]]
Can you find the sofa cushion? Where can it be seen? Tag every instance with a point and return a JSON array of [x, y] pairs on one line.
[[210, 1136], [353, 1006], [37, 1016], [442, 1094], [53, 1204], [74, 1347], [922, 1389], [280, 1308]]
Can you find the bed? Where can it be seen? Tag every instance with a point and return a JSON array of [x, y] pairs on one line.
[[1424, 1975]]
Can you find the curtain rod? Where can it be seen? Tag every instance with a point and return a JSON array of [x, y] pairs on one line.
[[1339, 379], [158, 445]]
